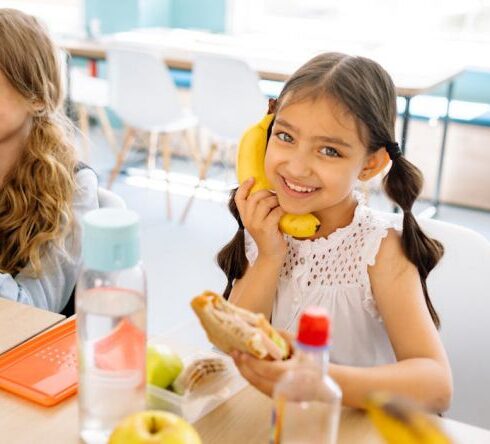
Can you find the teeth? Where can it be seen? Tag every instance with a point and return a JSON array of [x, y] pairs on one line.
[[298, 188]]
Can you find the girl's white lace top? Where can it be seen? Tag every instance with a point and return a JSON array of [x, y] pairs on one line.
[[333, 273]]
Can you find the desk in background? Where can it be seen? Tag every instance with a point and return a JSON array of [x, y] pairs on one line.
[[178, 47]]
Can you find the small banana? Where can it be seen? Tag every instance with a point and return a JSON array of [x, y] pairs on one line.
[[400, 422], [250, 162]]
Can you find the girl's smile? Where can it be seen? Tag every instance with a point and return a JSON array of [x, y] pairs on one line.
[[296, 189]]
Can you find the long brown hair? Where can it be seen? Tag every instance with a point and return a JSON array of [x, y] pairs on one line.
[[36, 196], [368, 92]]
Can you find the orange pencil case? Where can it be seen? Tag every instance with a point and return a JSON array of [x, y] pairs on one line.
[[43, 369]]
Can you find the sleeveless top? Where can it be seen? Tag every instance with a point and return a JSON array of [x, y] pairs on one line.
[[332, 272]]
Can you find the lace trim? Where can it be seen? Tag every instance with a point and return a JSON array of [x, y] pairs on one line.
[[321, 243]]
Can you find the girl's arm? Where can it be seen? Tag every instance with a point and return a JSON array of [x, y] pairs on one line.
[[256, 290], [260, 214], [422, 370], [53, 288]]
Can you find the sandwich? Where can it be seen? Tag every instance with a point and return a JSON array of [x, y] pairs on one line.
[[231, 328], [198, 374]]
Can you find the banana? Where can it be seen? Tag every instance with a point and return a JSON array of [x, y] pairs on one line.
[[250, 162], [400, 422]]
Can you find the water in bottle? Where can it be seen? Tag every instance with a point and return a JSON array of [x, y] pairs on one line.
[[111, 310], [307, 401]]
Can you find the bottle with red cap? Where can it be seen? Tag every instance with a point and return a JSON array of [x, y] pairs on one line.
[[307, 401]]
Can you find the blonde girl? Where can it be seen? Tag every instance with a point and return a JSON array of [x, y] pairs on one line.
[[335, 126], [43, 191]]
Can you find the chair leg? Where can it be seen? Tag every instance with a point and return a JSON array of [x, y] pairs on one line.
[[166, 158], [152, 152], [203, 171], [128, 140], [190, 140], [84, 129], [107, 128]]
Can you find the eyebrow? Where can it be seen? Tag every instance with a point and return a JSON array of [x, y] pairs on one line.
[[328, 139]]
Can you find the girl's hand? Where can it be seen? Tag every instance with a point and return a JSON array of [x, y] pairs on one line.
[[263, 374], [260, 214]]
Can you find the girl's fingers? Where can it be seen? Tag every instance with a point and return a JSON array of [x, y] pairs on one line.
[[249, 205], [263, 384], [267, 370], [263, 208], [275, 216], [242, 194]]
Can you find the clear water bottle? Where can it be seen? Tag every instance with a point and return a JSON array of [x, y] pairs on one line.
[[307, 401], [111, 310]]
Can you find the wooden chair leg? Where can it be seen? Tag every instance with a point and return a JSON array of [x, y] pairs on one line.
[[203, 171], [152, 152], [107, 128], [166, 158], [84, 129], [190, 140], [128, 140]]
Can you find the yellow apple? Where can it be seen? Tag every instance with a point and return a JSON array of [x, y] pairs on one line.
[[162, 365], [154, 427]]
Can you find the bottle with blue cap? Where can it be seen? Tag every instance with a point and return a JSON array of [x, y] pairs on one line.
[[111, 310]]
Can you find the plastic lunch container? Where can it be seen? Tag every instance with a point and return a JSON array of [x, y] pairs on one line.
[[206, 397]]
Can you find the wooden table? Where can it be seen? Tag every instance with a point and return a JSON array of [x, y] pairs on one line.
[[20, 322], [244, 419], [179, 48]]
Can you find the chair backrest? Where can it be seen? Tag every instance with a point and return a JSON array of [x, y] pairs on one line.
[[460, 290], [226, 96], [109, 199], [459, 287], [141, 89]]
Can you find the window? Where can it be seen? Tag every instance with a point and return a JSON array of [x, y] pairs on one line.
[[370, 23], [60, 16]]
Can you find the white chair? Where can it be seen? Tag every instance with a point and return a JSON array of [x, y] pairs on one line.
[[89, 93], [144, 96], [459, 287], [109, 199], [226, 98]]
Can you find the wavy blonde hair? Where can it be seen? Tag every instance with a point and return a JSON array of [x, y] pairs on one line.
[[36, 196]]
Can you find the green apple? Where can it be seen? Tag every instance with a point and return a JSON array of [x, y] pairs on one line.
[[154, 427], [163, 365]]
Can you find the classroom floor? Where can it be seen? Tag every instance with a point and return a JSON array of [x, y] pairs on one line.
[[180, 258]]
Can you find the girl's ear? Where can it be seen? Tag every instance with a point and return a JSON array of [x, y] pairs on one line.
[[37, 107], [374, 164]]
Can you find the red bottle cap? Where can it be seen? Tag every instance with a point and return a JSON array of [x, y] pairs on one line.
[[314, 327]]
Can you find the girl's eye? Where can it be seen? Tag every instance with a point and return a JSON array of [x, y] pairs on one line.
[[285, 137], [330, 152]]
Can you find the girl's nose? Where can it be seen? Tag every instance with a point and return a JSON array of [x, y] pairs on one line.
[[299, 164]]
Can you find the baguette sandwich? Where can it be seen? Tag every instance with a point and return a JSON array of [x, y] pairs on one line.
[[231, 328]]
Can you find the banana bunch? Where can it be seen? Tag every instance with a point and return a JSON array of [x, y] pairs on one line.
[[250, 162], [400, 422]]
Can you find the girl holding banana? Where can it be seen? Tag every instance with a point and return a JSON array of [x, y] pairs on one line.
[[332, 126]]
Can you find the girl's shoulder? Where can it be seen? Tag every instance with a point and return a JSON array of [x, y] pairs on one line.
[[86, 189], [390, 259]]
